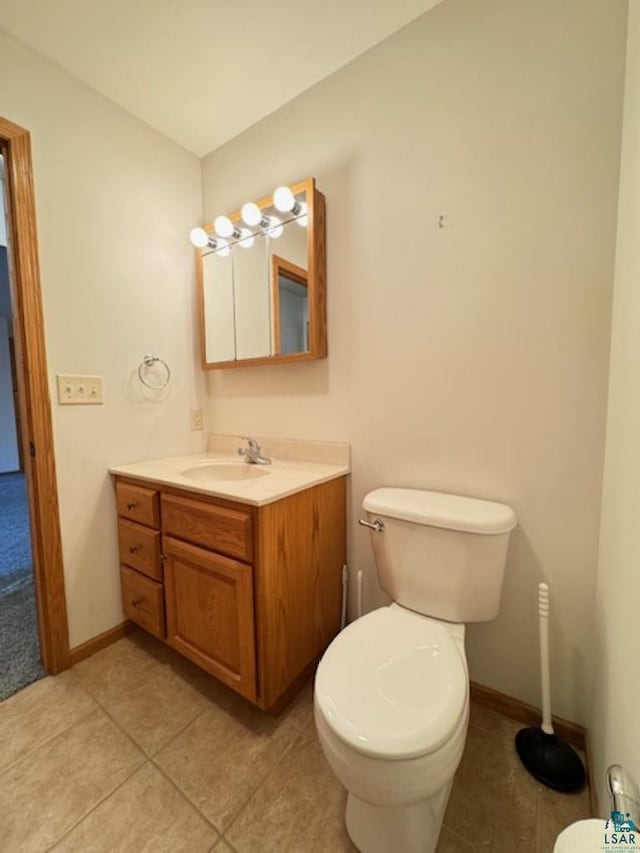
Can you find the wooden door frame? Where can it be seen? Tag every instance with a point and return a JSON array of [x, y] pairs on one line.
[[33, 395]]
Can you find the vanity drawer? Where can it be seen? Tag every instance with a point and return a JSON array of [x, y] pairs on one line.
[[219, 528], [138, 504], [140, 548], [143, 601]]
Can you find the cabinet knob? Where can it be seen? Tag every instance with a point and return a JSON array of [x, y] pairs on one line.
[[135, 602], [133, 549], [132, 504]]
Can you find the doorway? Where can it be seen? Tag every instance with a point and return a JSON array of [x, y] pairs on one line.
[[34, 637], [20, 660]]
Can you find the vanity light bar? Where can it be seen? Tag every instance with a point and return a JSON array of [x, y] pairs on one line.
[[252, 215], [201, 240], [285, 201], [228, 234], [224, 227]]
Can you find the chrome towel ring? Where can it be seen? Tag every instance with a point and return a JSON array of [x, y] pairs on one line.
[[146, 374]]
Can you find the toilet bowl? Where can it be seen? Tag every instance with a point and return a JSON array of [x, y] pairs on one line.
[[391, 708], [391, 700]]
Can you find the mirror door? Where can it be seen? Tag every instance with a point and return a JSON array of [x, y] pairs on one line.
[[263, 290]]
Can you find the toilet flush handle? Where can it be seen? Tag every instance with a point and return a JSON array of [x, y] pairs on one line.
[[376, 525]]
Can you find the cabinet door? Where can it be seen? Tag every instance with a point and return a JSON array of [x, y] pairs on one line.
[[209, 612]]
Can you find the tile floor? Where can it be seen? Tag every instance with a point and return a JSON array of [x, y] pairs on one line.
[[136, 750]]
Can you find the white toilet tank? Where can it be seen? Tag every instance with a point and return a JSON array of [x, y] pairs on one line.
[[440, 555]]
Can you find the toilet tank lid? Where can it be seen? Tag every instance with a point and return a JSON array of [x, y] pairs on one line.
[[436, 509]]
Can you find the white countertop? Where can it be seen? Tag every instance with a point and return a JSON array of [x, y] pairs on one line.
[[283, 477]]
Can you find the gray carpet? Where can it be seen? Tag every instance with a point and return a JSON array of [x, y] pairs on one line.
[[15, 539], [19, 648]]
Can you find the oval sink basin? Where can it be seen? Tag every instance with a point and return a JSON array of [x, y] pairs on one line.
[[215, 471]]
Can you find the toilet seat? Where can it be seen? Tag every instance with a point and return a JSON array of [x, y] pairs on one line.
[[393, 684]]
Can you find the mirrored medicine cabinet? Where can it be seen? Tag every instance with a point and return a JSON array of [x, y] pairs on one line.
[[262, 287]]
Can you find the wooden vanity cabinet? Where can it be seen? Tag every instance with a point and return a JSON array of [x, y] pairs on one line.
[[250, 594]]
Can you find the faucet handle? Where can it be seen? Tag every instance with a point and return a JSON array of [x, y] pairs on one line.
[[253, 452]]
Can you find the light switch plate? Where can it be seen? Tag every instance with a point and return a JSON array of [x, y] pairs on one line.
[[196, 419], [76, 390]]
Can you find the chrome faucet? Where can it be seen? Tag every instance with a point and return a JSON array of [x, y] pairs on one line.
[[253, 452]]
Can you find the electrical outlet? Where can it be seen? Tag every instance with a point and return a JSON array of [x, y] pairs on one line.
[[196, 419], [79, 390]]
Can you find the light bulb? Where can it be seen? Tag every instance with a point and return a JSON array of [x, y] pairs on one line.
[[199, 238], [246, 238], [223, 249], [303, 217], [275, 228], [223, 226], [251, 213], [284, 200]]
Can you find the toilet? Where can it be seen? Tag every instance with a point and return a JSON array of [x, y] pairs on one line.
[[391, 699]]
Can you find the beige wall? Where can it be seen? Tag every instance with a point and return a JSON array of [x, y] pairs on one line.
[[115, 201], [473, 358], [614, 712]]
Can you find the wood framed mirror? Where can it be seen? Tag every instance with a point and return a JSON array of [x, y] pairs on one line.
[[262, 294]]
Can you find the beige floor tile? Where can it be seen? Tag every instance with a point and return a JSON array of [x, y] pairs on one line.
[[156, 710], [300, 712], [299, 809], [490, 721], [152, 645], [556, 811], [40, 712], [117, 668], [311, 733], [165, 659], [263, 781], [449, 842], [145, 815], [45, 793], [493, 803], [222, 757], [207, 685]]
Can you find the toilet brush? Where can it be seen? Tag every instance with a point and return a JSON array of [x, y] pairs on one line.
[[547, 757]]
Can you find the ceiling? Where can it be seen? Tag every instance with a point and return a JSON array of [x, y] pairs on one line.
[[201, 71]]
